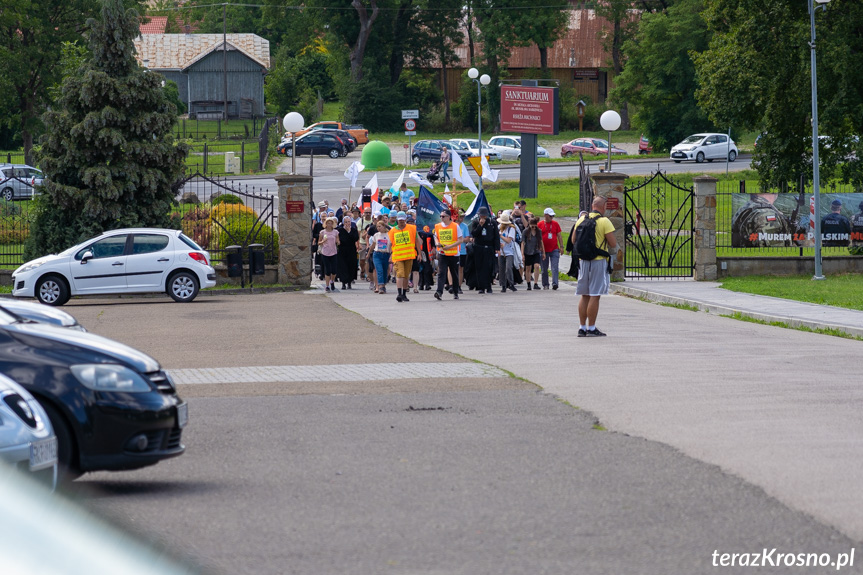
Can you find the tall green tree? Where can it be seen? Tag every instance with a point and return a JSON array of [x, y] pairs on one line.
[[659, 77], [32, 33], [108, 152], [756, 73], [545, 27]]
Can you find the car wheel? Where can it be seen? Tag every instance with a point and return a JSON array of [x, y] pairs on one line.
[[334, 153], [676, 161], [416, 159], [183, 287], [52, 290], [8, 194], [289, 151], [699, 157], [68, 468], [732, 155]]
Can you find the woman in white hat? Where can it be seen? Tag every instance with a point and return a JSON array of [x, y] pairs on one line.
[[507, 253]]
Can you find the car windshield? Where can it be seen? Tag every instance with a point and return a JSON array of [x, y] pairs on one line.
[[693, 139], [600, 143]]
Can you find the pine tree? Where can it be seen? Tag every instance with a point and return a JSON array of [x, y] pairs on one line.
[[108, 153]]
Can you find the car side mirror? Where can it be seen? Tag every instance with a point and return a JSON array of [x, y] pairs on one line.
[[88, 255]]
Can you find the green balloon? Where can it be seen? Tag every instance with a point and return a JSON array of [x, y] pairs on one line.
[[376, 155]]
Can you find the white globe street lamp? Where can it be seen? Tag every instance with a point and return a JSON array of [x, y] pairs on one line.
[[483, 80], [610, 121], [293, 123], [816, 176]]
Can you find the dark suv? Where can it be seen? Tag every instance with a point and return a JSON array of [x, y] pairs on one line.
[[346, 137], [429, 150], [317, 143]]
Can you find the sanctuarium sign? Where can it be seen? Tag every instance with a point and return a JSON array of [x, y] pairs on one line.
[[529, 110]]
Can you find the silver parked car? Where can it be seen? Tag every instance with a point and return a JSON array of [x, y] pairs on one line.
[[27, 440], [18, 180], [509, 147]]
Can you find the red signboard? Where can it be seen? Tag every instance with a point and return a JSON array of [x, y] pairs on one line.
[[529, 109], [612, 204], [294, 207]]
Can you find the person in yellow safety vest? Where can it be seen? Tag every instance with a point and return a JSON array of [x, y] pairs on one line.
[[447, 237], [405, 243]]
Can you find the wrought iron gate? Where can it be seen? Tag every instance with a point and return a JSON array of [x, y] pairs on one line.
[[659, 229], [218, 213]]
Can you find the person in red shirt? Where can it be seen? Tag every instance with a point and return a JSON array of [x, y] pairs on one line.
[[552, 242]]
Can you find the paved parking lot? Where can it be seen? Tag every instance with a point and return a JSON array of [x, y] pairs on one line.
[[475, 475]]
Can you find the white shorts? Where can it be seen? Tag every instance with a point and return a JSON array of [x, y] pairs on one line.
[[593, 278]]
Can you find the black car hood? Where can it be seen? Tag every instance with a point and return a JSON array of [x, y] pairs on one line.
[[89, 341]]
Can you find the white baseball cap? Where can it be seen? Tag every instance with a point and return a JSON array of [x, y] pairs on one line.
[[548, 212]]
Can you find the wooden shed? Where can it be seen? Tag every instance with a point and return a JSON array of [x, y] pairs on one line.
[[201, 64]]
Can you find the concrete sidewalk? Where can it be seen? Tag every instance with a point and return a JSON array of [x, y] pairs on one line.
[[711, 298], [778, 407]]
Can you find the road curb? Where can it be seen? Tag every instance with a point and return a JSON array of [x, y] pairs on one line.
[[717, 309]]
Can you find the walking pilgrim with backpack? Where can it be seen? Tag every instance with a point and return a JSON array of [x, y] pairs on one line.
[[594, 245]]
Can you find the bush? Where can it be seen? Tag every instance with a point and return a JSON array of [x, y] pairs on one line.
[[236, 231], [196, 224], [9, 208], [225, 199], [226, 211]]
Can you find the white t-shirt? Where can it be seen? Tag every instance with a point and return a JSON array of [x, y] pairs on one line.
[[508, 249], [381, 242]]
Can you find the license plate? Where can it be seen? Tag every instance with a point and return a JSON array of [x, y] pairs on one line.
[[678, 155], [182, 415], [43, 454]]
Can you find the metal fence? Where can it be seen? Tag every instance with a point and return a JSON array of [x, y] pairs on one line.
[[218, 213], [15, 220], [219, 129], [791, 201]]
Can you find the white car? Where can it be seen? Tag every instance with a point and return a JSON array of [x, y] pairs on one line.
[[27, 440], [473, 146], [32, 311], [700, 147], [509, 147], [134, 260]]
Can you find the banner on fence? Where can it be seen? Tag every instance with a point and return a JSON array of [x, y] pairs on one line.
[[785, 220]]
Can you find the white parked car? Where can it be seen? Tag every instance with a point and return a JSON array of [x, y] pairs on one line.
[[473, 146], [700, 147], [509, 147], [26, 437], [134, 260]]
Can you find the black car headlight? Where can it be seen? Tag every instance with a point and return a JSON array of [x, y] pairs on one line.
[[110, 377]]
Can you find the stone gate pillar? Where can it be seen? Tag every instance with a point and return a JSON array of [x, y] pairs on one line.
[[704, 241], [295, 229], [609, 185]]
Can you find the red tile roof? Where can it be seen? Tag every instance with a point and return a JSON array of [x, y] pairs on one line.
[[156, 25]]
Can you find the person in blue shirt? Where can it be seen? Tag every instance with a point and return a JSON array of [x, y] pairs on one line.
[[462, 254]]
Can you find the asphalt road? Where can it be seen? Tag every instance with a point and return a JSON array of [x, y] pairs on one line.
[[486, 476]]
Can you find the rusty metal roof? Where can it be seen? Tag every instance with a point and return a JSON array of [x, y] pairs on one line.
[[179, 51], [579, 47]]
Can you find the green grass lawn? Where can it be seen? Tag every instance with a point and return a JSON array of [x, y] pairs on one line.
[[844, 290]]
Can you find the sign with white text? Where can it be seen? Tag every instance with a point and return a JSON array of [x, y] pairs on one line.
[[529, 110]]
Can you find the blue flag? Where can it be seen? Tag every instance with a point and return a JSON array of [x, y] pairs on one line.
[[428, 210], [479, 202]]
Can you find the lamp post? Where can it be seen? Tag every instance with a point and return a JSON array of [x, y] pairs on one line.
[[293, 123], [483, 80], [816, 183], [610, 121]]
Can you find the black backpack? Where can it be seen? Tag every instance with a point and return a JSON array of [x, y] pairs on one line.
[[585, 239]]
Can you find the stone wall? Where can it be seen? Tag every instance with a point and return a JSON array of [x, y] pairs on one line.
[[610, 185], [295, 258], [750, 266]]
